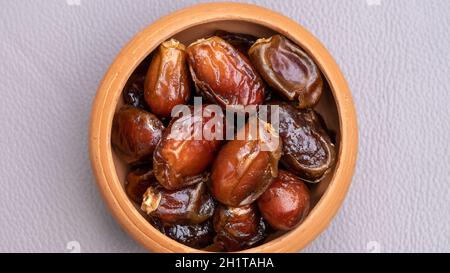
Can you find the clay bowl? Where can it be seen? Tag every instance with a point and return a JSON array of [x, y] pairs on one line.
[[187, 25]]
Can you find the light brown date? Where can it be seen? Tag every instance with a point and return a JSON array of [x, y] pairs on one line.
[[182, 161], [167, 82], [222, 74], [243, 169]]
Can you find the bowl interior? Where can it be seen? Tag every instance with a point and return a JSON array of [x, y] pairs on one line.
[[326, 107]]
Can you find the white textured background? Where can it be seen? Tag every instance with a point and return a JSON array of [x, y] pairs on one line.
[[395, 55]]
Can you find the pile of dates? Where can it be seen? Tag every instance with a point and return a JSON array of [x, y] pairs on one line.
[[215, 194]]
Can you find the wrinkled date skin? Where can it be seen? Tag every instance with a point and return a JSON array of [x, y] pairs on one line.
[[178, 163], [287, 69], [137, 182], [240, 41], [135, 134], [307, 149], [286, 202], [238, 228], [243, 170], [197, 236], [223, 75], [190, 205], [167, 82]]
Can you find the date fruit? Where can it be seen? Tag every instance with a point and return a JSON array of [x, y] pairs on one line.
[[286, 202], [307, 149], [180, 162], [240, 41], [197, 236], [287, 69], [243, 169], [223, 75], [238, 228], [135, 134], [190, 205], [133, 93], [167, 83], [137, 182]]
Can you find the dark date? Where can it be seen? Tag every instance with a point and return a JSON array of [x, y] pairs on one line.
[[133, 93], [238, 228], [307, 149], [240, 41], [137, 182], [197, 236], [190, 205]]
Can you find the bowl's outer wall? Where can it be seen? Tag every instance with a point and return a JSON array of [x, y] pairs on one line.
[[110, 172]]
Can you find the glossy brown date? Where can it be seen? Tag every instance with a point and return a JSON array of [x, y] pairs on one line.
[[243, 169], [307, 148], [222, 74], [137, 182], [190, 205], [135, 134], [178, 163], [286, 202], [240, 41], [287, 69], [238, 228], [197, 236], [167, 83]]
